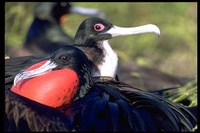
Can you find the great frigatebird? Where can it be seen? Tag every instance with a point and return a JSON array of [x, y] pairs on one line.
[[45, 34], [88, 104], [92, 37]]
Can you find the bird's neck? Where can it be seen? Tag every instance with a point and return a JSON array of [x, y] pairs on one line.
[[108, 66], [102, 55]]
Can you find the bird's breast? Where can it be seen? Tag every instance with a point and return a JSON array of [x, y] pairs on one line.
[[108, 67]]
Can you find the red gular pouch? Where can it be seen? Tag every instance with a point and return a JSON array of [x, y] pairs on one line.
[[54, 88]]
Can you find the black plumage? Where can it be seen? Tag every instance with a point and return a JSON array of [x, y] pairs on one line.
[[109, 105]]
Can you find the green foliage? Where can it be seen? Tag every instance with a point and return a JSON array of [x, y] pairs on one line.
[[188, 91]]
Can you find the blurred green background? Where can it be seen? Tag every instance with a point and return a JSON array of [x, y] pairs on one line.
[[174, 52]]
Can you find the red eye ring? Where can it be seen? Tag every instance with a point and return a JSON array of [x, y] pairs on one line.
[[99, 27]]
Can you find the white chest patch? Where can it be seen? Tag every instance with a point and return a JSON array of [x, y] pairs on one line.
[[109, 66]]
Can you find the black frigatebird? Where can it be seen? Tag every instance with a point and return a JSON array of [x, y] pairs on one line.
[[22, 114], [45, 34], [92, 37], [90, 104]]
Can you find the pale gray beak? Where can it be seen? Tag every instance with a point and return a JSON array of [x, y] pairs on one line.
[[48, 66], [124, 31], [88, 11]]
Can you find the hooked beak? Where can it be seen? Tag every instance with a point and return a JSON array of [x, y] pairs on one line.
[[48, 66], [87, 11], [124, 31]]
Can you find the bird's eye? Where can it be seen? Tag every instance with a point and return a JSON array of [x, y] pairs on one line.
[[99, 27], [64, 58]]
